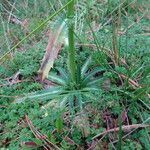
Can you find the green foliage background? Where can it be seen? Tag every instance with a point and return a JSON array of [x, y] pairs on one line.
[[133, 46]]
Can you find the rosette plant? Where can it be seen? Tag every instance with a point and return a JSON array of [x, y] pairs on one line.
[[71, 86]]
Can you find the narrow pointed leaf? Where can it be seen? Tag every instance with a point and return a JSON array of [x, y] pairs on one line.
[[63, 73], [85, 67], [92, 73], [42, 95], [95, 81], [56, 79]]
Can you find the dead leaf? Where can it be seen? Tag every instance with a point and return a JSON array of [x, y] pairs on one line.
[[15, 20], [29, 144], [25, 23], [124, 117], [69, 141], [15, 78], [55, 42]]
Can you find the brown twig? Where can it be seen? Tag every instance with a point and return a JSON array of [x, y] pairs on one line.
[[133, 83], [133, 130], [19, 81], [124, 128], [94, 143], [47, 144], [2, 106]]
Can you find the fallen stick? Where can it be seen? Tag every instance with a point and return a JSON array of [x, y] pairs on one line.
[[124, 128], [47, 144], [133, 83]]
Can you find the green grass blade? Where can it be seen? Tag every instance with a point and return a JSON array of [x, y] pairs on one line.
[[85, 67], [56, 79], [79, 100], [42, 95], [96, 81], [63, 73], [72, 66], [91, 74]]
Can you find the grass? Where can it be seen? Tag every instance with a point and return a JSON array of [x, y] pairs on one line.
[[114, 37]]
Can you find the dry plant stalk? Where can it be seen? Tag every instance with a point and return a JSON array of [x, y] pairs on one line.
[[47, 144], [124, 128], [133, 83]]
